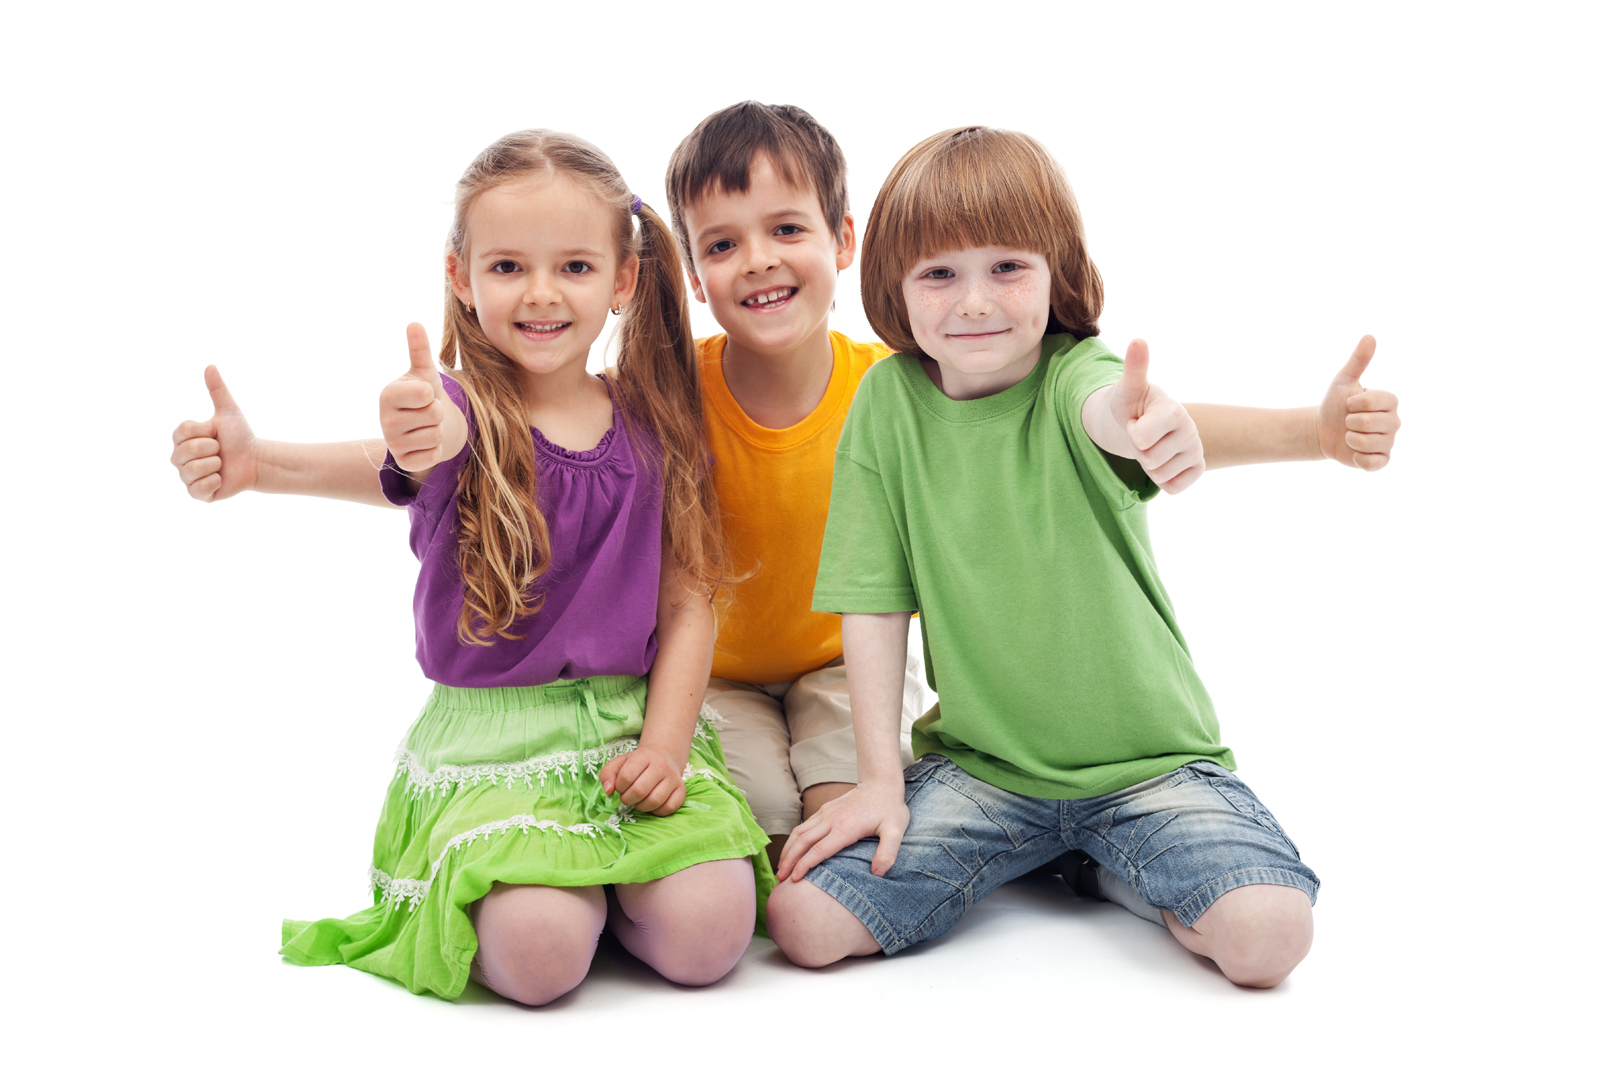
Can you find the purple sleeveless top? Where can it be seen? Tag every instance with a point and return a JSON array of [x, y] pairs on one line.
[[598, 616]]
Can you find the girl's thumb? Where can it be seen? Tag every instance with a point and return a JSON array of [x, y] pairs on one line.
[[421, 354]]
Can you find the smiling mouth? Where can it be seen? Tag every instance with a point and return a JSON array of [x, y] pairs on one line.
[[770, 298], [542, 329]]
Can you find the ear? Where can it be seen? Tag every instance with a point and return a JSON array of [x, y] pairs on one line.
[[459, 282], [627, 281], [846, 238], [695, 287]]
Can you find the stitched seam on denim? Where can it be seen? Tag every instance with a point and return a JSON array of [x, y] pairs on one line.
[[1297, 881], [1269, 824], [984, 805], [866, 905]]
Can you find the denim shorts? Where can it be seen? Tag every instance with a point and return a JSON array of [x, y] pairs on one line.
[[1181, 840]]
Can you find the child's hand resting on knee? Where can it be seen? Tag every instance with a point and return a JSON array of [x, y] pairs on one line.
[[868, 810], [1136, 420], [422, 426], [216, 458], [1356, 425], [645, 779]]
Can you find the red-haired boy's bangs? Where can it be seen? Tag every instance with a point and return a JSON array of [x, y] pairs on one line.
[[976, 187]]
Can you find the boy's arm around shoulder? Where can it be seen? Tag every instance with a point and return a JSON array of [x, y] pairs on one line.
[[1353, 424], [222, 457]]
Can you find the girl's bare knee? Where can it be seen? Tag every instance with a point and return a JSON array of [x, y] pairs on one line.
[[536, 943], [692, 926]]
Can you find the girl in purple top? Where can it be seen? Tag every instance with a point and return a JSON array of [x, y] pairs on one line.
[[546, 788]]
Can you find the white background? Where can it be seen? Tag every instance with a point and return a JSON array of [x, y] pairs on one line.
[[204, 699]]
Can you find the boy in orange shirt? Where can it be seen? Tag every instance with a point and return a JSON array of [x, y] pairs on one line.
[[758, 198]]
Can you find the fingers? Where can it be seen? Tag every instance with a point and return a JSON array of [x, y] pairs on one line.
[[1356, 365], [1370, 431], [421, 353], [1135, 368], [888, 848], [198, 457], [831, 842], [188, 428], [1184, 480], [800, 841], [221, 400], [1155, 424], [1374, 400], [1179, 472]]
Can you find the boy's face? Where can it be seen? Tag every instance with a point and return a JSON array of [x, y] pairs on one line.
[[980, 313], [765, 260]]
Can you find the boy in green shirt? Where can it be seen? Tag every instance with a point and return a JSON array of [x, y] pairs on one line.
[[993, 476]]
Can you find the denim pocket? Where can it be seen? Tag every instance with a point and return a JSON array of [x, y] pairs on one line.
[[1240, 797]]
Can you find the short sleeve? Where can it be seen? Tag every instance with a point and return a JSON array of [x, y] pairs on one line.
[[393, 481], [1121, 481], [863, 568]]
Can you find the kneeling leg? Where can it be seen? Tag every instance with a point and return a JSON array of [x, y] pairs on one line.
[[535, 942], [1257, 934], [693, 925], [812, 928]]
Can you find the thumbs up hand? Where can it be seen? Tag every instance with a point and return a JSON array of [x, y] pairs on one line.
[[419, 419], [216, 458], [1136, 420], [1357, 425]]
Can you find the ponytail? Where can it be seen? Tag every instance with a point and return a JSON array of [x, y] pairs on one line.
[[658, 378], [503, 545]]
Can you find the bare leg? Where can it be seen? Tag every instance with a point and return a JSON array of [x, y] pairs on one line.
[[691, 926], [1257, 934], [816, 796], [810, 800], [535, 942], [812, 928]]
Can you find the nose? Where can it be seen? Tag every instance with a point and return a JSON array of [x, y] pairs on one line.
[[540, 288], [976, 301], [760, 256]]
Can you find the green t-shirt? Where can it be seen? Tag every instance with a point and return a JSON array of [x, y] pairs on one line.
[[1048, 635]]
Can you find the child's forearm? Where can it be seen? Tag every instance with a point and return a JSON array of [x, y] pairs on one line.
[[1233, 436], [685, 634], [341, 470], [875, 661]]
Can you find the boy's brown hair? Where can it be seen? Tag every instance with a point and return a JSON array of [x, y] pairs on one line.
[[973, 187], [719, 153]]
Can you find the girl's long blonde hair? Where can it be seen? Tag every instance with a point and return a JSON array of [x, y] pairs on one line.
[[504, 545]]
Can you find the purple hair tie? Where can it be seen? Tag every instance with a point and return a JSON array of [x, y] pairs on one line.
[[637, 204]]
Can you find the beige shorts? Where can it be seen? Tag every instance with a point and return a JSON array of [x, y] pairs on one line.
[[782, 739]]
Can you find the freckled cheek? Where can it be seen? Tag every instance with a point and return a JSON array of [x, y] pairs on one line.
[[926, 310], [1027, 301]]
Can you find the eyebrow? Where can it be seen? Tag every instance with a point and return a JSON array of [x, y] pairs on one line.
[[784, 213], [514, 253]]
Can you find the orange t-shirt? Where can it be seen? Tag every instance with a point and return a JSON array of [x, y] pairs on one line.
[[773, 487]]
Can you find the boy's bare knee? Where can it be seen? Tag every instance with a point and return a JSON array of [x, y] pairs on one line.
[[812, 928], [1256, 934]]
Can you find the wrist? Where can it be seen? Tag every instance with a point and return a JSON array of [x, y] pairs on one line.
[[1308, 438]]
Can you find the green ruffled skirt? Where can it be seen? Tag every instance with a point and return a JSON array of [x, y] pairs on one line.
[[502, 785]]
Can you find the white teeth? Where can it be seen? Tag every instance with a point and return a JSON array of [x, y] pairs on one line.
[[767, 298], [537, 328]]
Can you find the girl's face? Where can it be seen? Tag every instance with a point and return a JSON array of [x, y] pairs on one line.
[[980, 313], [543, 270]]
